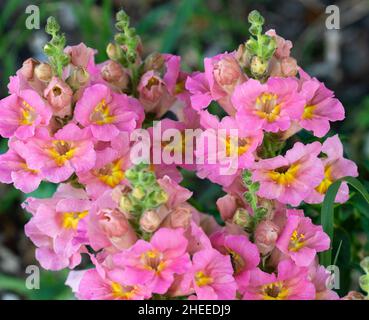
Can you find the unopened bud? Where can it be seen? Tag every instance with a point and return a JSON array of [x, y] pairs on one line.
[[150, 221], [154, 61], [258, 66], [28, 68], [242, 218], [43, 72], [114, 51], [266, 235], [138, 193], [78, 78], [125, 204], [114, 73]]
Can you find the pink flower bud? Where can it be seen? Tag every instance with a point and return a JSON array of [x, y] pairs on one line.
[[114, 73], [178, 218], [152, 219], [227, 206], [154, 61], [28, 68], [283, 46], [227, 73], [43, 72], [154, 95], [80, 55], [289, 67], [117, 228], [78, 78], [266, 235], [59, 95]]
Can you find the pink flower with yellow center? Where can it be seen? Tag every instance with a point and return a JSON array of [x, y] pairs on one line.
[[270, 106], [290, 178], [243, 253], [107, 113], [290, 283], [14, 169], [321, 106], [227, 149], [211, 276], [58, 228], [21, 114], [57, 158], [93, 286], [335, 167], [301, 239], [109, 169], [153, 264], [105, 282]]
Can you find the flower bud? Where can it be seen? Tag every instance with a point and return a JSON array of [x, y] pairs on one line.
[[138, 193], [154, 61], [242, 218], [266, 235], [258, 66], [59, 95], [28, 68], [78, 78], [227, 73], [116, 228], [154, 94], [114, 73], [112, 222], [289, 67], [114, 51], [178, 218], [80, 54], [150, 221], [43, 72], [125, 204]]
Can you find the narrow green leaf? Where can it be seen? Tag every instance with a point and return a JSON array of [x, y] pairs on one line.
[[327, 212]]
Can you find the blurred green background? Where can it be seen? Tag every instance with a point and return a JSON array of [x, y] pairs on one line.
[[194, 29]]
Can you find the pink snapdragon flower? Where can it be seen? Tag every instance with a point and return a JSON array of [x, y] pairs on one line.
[[14, 168], [105, 282], [243, 253], [69, 150], [198, 86], [81, 55], [291, 283], [153, 264], [222, 74], [211, 276], [21, 114], [321, 277], [59, 95], [97, 286], [107, 113], [157, 89], [290, 178], [109, 169], [58, 229], [108, 228], [321, 106], [335, 167], [227, 148], [301, 239], [270, 106]]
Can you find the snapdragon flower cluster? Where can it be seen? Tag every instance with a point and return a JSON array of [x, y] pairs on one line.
[[69, 122]]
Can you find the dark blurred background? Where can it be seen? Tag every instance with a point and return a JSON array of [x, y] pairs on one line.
[[194, 29]]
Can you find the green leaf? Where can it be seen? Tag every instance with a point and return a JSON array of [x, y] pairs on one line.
[[327, 212]]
